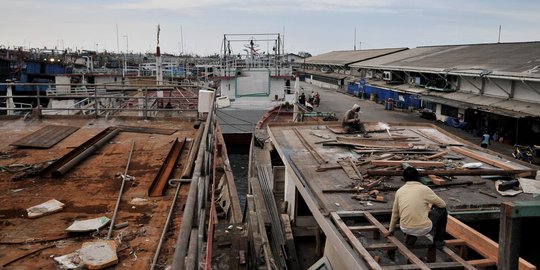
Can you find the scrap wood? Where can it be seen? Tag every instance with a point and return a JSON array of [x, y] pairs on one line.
[[374, 143], [5, 261], [440, 154], [323, 168], [349, 170], [454, 172], [488, 194], [479, 157], [415, 163], [436, 180], [353, 165]]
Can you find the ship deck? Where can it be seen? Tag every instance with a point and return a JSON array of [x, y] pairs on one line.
[[89, 190], [344, 185]]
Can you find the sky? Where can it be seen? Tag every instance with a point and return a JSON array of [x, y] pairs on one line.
[[314, 26]]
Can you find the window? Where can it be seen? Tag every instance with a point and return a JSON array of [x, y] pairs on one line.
[[449, 111]]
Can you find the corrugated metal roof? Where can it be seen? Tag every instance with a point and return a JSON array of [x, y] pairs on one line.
[[349, 57], [506, 59]]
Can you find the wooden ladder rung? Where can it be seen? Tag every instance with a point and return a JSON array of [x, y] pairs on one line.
[[482, 262], [381, 246], [455, 242], [363, 228]]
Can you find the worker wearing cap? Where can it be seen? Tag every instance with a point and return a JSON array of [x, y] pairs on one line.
[[412, 207]]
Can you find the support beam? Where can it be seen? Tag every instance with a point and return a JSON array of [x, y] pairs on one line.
[[502, 88], [510, 231], [479, 242]]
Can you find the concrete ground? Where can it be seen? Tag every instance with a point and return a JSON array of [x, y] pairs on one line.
[[338, 101]]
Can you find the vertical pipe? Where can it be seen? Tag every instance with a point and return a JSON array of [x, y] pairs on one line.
[[121, 191]]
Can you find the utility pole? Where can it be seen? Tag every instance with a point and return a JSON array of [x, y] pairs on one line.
[[499, 40], [355, 38], [117, 41]]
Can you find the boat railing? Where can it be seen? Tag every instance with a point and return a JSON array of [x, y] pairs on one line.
[[98, 100]]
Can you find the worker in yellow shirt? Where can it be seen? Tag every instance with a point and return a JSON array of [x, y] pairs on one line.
[[419, 210]]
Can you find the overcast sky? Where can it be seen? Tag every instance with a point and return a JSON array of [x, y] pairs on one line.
[[315, 26]]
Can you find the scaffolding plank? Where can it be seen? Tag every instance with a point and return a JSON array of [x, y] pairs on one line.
[[45, 137]]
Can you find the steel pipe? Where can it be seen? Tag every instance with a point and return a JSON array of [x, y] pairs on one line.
[[80, 157]]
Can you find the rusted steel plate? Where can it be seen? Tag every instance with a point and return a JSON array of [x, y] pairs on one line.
[[45, 137], [150, 130], [158, 185]]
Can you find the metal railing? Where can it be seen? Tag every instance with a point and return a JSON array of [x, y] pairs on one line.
[[104, 99]]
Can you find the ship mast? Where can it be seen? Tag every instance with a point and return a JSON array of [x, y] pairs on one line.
[[159, 70]]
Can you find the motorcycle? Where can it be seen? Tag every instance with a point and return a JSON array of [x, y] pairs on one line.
[[526, 153]]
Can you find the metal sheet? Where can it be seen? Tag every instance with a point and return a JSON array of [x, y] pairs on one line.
[[46, 137]]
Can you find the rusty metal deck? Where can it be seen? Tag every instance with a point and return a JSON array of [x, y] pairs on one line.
[[45, 137]]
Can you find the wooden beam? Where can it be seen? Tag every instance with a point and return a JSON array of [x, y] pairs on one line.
[[363, 228], [437, 265], [448, 172], [401, 247], [455, 242], [414, 163], [355, 242], [381, 246], [310, 148], [436, 180], [479, 242], [479, 157], [440, 154], [292, 259], [482, 262]]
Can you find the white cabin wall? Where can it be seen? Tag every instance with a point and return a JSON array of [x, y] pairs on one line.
[[62, 89], [253, 82], [227, 88]]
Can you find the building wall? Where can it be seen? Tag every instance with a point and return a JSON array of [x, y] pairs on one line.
[[525, 93], [469, 84], [491, 88], [62, 89], [310, 80]]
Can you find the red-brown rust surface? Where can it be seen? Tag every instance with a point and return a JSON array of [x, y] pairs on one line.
[[89, 190]]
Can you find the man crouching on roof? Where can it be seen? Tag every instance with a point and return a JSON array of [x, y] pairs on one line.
[[351, 120], [411, 206]]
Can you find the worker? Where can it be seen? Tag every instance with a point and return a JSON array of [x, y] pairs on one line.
[[351, 120], [486, 139], [302, 99], [412, 207]]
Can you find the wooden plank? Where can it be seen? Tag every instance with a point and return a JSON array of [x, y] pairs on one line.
[[448, 172], [436, 180], [455, 242], [363, 228], [377, 144], [482, 262], [479, 242], [454, 256], [440, 154], [310, 148], [292, 257], [492, 162], [355, 242], [415, 163], [401, 247], [381, 246]]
